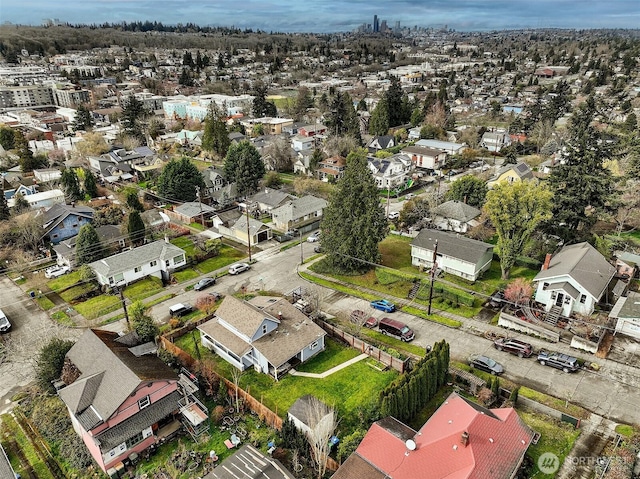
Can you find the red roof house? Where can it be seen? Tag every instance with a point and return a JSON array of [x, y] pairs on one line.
[[462, 440]]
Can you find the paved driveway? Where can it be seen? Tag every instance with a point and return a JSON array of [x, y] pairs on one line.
[[32, 328]]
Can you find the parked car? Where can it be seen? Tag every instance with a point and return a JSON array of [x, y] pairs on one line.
[[567, 363], [313, 237], [394, 215], [383, 305], [486, 364], [318, 249], [283, 238], [5, 325], [396, 328], [514, 346], [371, 322], [239, 268], [180, 309], [55, 271], [215, 295], [204, 283], [497, 299]]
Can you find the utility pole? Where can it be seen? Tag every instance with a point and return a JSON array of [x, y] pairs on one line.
[[124, 304], [434, 268], [200, 201], [301, 250], [388, 197], [246, 207]]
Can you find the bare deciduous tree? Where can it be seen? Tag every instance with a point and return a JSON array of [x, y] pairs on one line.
[[322, 422]]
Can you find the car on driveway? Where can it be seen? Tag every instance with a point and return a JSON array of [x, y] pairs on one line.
[[394, 215], [567, 363], [318, 249], [180, 309], [514, 346], [497, 300], [313, 237], [204, 283], [486, 364], [239, 268], [55, 271], [383, 305], [5, 325]]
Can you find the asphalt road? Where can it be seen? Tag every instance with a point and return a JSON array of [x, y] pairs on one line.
[[32, 329]]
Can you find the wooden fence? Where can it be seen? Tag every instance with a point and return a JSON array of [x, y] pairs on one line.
[[189, 362], [364, 347]]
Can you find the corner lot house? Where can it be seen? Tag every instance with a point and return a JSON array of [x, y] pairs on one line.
[[460, 440], [464, 257], [119, 402], [573, 280], [271, 340], [158, 259]]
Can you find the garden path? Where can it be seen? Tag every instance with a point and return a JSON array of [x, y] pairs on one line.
[[329, 372]]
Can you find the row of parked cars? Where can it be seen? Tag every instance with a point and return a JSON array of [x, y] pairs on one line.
[[522, 349]]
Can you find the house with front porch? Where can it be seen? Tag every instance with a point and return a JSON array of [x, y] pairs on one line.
[[271, 339], [269, 199], [574, 280], [391, 172], [331, 169], [303, 214], [378, 143], [120, 401], [158, 259], [454, 253], [426, 158]]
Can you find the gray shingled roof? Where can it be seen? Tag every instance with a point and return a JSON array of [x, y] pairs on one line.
[[584, 264], [272, 198], [109, 373], [242, 315], [121, 262], [222, 335], [139, 421], [301, 410], [627, 307], [456, 210], [299, 208], [453, 245], [193, 209], [521, 169], [254, 225]]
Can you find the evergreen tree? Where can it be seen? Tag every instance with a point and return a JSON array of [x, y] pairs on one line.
[[132, 113], [185, 78], [88, 246], [582, 187], [133, 202], [5, 213], [7, 137], [354, 222], [90, 186], [216, 136], [244, 166], [83, 119], [262, 107], [468, 189], [71, 185], [179, 179], [397, 105], [142, 323], [379, 121], [136, 228]]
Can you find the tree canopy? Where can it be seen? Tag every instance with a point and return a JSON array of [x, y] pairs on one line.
[[516, 210], [216, 136], [136, 228], [262, 107], [90, 186], [354, 222], [83, 119], [88, 246], [179, 179], [582, 187], [71, 185], [468, 189], [50, 361], [141, 322], [244, 166]]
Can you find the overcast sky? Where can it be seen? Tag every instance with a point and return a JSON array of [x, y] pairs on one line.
[[335, 15]]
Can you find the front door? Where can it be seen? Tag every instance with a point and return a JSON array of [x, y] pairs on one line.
[[559, 299]]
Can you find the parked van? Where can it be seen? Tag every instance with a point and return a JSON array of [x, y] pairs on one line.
[[180, 309], [398, 329], [5, 325]]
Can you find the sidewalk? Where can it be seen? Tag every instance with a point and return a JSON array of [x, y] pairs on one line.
[[329, 372]]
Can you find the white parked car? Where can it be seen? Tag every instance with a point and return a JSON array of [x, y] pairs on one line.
[[394, 215], [315, 236], [238, 268], [55, 271]]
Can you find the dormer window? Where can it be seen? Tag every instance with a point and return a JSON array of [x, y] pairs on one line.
[[264, 329]]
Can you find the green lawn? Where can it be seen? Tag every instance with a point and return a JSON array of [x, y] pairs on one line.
[[62, 318], [185, 275], [98, 306], [44, 302], [72, 293], [492, 279], [144, 288], [332, 356], [227, 256], [64, 281], [396, 253], [186, 244], [555, 437], [10, 428], [197, 226]]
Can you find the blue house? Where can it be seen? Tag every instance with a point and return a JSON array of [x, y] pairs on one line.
[[64, 221]]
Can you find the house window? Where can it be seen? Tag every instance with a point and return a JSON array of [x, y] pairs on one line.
[[553, 295], [583, 298], [134, 440], [178, 259], [119, 277], [153, 263], [137, 269], [167, 263], [567, 300], [144, 402], [545, 285], [314, 345]]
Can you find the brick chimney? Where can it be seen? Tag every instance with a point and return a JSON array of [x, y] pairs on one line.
[[464, 439], [547, 260]]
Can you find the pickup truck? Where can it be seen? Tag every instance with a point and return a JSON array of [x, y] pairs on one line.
[[567, 363]]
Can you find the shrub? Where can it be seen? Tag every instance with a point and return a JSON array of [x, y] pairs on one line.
[[50, 361]]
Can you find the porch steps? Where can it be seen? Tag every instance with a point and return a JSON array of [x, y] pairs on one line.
[[414, 290], [552, 316]]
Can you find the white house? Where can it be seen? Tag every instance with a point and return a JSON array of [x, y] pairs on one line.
[[449, 147], [271, 339], [303, 143], [303, 213], [158, 259], [455, 254], [626, 312], [44, 199], [428, 158], [455, 216], [391, 172], [573, 280], [495, 141]]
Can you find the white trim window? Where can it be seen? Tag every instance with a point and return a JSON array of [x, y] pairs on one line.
[[144, 402]]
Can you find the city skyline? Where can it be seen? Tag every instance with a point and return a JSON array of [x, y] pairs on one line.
[[336, 15]]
